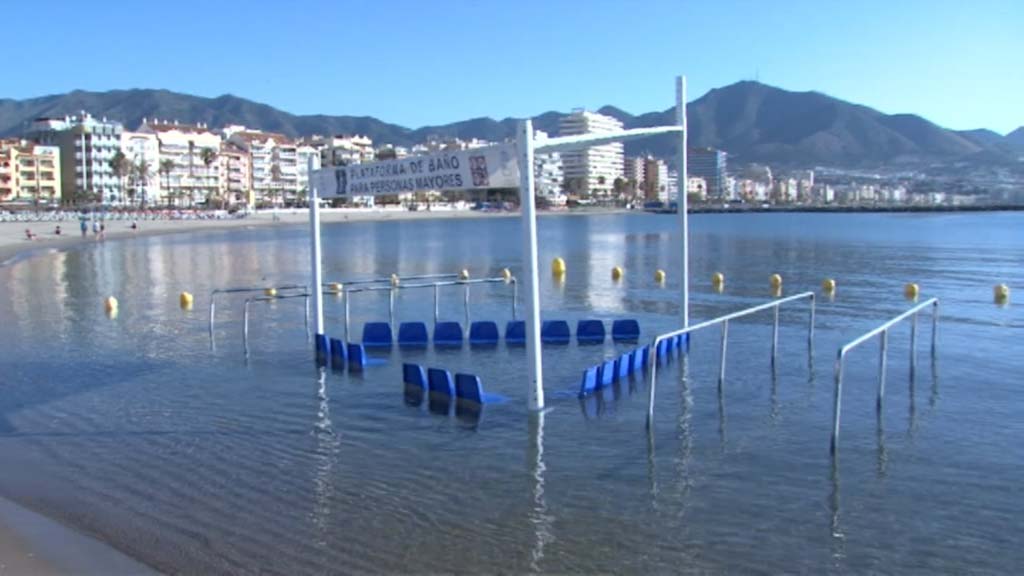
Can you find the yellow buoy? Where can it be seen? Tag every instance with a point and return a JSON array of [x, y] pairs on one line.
[[110, 304], [270, 292], [335, 287], [717, 279], [617, 272], [911, 291], [828, 286], [1001, 292], [775, 280], [185, 300], [659, 276], [777, 291], [558, 266], [395, 280], [506, 274], [463, 274]]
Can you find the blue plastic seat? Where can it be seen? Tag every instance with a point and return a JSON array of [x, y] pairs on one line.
[[440, 382], [338, 354], [589, 382], [377, 334], [623, 366], [662, 351], [323, 349], [412, 335], [448, 334], [590, 331], [515, 333], [627, 330], [483, 333], [606, 374], [415, 375], [554, 332], [469, 388], [356, 357], [636, 357]]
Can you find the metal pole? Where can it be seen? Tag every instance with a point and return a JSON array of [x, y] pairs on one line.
[[245, 328], [882, 349], [314, 249], [935, 325], [391, 308], [775, 335], [836, 407], [515, 297], [435, 306], [810, 326], [466, 304], [652, 369], [725, 342], [347, 339], [307, 317], [524, 144], [211, 312], [913, 345], [682, 202]]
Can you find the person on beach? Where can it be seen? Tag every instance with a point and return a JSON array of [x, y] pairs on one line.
[[96, 228], [84, 226], [135, 224], [29, 235], [103, 230], [57, 231]]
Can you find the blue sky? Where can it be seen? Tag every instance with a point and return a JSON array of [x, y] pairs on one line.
[[959, 64]]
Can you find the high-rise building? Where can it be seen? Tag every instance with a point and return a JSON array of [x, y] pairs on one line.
[[655, 184], [87, 146], [592, 171], [634, 174], [342, 150], [188, 167], [142, 152], [305, 153], [709, 164], [29, 172], [274, 165], [548, 172], [235, 175]]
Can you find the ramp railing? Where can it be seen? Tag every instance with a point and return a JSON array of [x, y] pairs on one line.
[[882, 330], [724, 321], [245, 314], [248, 289]]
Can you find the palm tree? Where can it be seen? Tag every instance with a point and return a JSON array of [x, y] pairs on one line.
[[209, 156], [166, 167], [121, 167], [141, 171], [275, 178]]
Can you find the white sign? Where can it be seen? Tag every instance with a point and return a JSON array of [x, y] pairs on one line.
[[473, 169]]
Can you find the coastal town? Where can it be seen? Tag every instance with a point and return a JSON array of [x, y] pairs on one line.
[[81, 160]]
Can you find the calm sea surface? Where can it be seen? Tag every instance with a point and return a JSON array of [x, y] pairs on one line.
[[184, 455]]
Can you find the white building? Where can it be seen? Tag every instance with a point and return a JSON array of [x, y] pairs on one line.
[[548, 173], [142, 151], [591, 172], [188, 167], [305, 153], [274, 165], [342, 150], [87, 146]]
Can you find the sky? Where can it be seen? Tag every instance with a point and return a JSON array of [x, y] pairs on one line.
[[414, 63]]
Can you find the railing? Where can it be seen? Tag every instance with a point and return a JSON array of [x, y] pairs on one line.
[[245, 314], [435, 285], [883, 347], [248, 289], [724, 321]]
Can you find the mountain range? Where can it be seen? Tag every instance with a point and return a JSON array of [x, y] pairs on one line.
[[754, 122]]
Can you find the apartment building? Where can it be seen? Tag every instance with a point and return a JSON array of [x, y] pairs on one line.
[[235, 175], [142, 182], [592, 171], [188, 166], [86, 147], [29, 172], [273, 161]]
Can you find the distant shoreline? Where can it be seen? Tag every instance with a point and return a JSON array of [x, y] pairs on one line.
[[752, 209]]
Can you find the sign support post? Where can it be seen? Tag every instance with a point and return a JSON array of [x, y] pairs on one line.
[[682, 200], [314, 249], [527, 204]]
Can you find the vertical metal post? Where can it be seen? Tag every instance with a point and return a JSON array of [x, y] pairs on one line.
[[314, 249], [465, 305], [347, 297], [652, 370], [935, 326], [682, 202], [725, 343], [836, 407], [515, 297], [307, 316], [810, 325], [775, 335], [391, 308], [435, 305], [535, 382], [213, 296], [245, 328], [882, 349], [913, 345]]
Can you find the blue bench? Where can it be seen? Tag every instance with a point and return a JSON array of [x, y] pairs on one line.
[[448, 334], [590, 331], [625, 330], [338, 354], [554, 332], [412, 335], [483, 333], [589, 382], [377, 335], [515, 333]]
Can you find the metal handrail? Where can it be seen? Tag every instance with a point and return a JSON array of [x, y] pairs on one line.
[[245, 314], [724, 321], [884, 343], [388, 279], [238, 290], [435, 285]]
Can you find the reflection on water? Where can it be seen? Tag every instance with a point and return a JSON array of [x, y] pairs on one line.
[[139, 431]]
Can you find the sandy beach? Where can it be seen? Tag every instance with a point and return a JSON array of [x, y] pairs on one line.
[[14, 244]]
